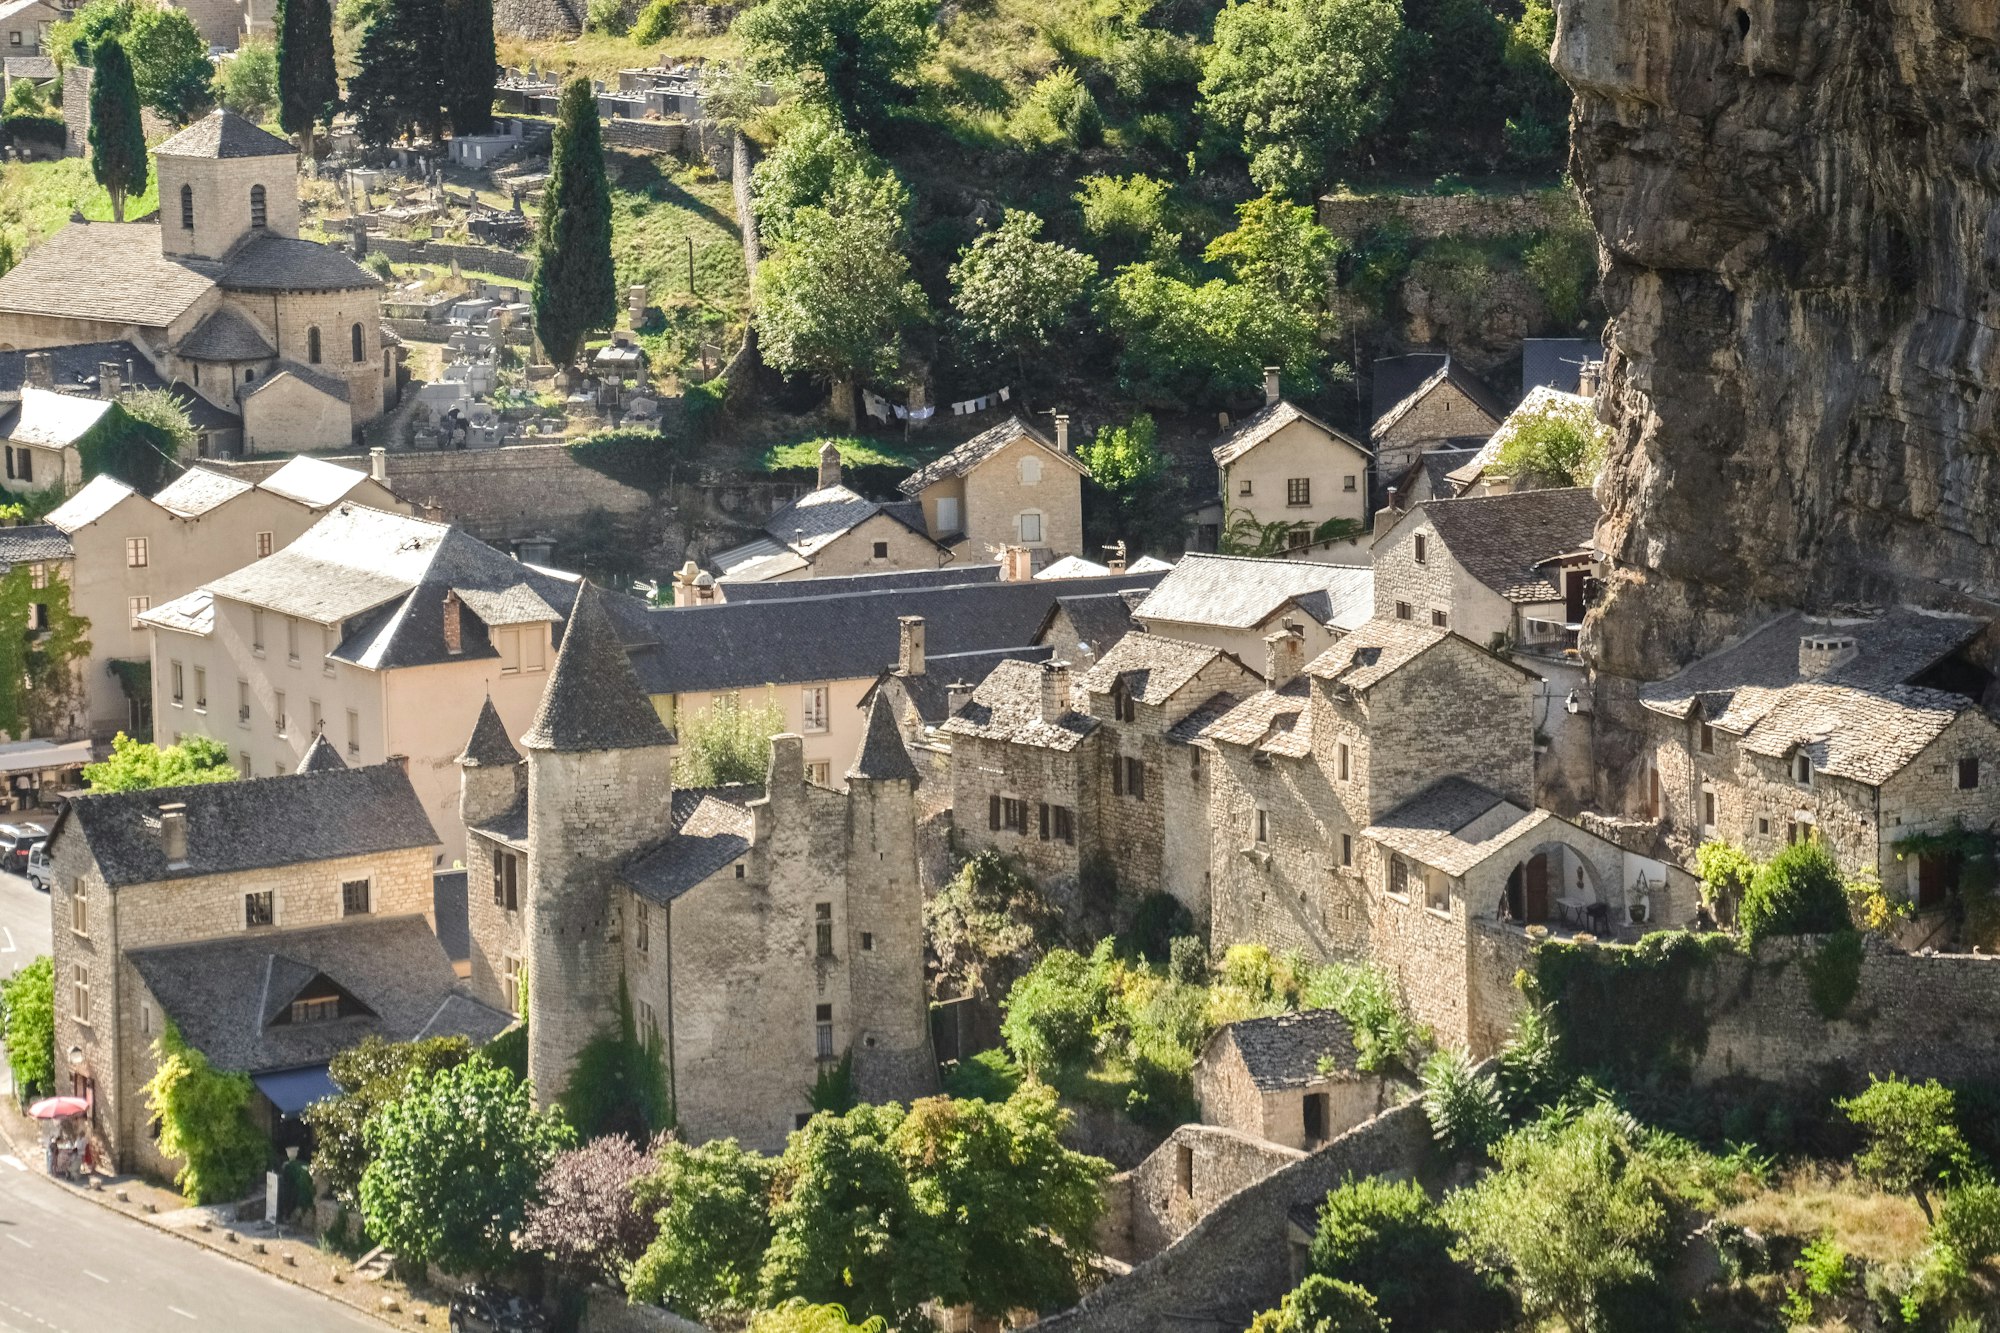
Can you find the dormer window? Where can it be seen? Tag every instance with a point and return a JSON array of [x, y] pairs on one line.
[[187, 208], [257, 210], [316, 1009], [1802, 769]]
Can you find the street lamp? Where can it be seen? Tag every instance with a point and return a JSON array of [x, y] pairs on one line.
[[76, 1057]]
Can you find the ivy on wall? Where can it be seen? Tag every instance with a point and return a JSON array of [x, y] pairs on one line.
[[204, 1121], [42, 660], [1628, 1012]]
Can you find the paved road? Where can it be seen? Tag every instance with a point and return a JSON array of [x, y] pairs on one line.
[[68, 1265], [24, 924]]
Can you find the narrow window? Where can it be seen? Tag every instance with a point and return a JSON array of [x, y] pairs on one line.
[[201, 689], [1402, 610], [868, 941], [510, 981], [1031, 471], [79, 913], [1135, 779], [1184, 1171], [138, 606], [1346, 849], [316, 720], [1315, 1117], [1422, 550], [80, 993], [354, 897], [292, 640], [25, 460], [354, 340], [187, 208], [642, 926], [649, 1023], [1802, 769], [993, 812], [823, 1030], [278, 711], [353, 732], [819, 772], [179, 692], [1065, 825], [812, 708], [1708, 807], [1440, 620], [1031, 527], [257, 909], [1707, 739], [1399, 877], [312, 344], [257, 632], [508, 641], [38, 576], [1345, 761], [1042, 821], [823, 929], [264, 544], [1968, 773], [257, 211], [1263, 826], [1123, 705]]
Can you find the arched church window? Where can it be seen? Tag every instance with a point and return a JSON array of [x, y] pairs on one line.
[[354, 334], [187, 208], [257, 207], [312, 345]]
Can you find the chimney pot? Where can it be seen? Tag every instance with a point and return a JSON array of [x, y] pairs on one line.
[[1589, 378], [1821, 653], [1270, 385], [829, 465], [910, 647], [1114, 557], [174, 834], [454, 629], [704, 587], [1055, 690], [378, 464], [110, 379], [1284, 656], [957, 695], [1062, 432]]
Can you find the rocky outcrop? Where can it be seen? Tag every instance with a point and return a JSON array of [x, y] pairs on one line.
[[1799, 206]]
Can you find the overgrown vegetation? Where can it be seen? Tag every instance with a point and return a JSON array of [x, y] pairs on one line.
[[618, 1084], [28, 1022], [42, 642], [1561, 445], [729, 741], [204, 1119], [140, 765]]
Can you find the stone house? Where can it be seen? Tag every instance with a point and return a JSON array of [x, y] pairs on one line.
[[1449, 405], [41, 434], [227, 24], [817, 654], [1291, 1079], [26, 24], [833, 531], [219, 293], [1858, 732], [133, 553], [378, 630], [1283, 465], [759, 935], [1057, 769], [1236, 602], [275, 921], [1006, 486], [1428, 477], [1085, 626], [109, 371], [1478, 474]]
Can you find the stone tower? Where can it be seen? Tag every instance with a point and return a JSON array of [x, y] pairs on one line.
[[892, 1040], [490, 777], [600, 788], [222, 180]]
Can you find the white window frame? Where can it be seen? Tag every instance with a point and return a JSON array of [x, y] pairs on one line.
[[1021, 527], [813, 711]]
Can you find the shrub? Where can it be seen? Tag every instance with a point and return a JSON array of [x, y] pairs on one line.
[[1561, 263], [204, 1117], [1054, 1011], [1726, 871], [1798, 892], [1187, 960], [1127, 212], [1464, 1107], [727, 742], [1322, 1305], [657, 22], [1060, 112], [1562, 445], [1969, 1220], [1387, 1237], [1154, 66], [1914, 1143], [370, 1076], [611, 17], [28, 1017], [1157, 923], [1531, 1072]]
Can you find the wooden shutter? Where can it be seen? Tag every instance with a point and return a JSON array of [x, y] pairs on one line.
[[1044, 820], [1118, 776], [993, 812]]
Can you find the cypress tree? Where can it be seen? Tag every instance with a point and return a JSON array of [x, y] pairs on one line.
[[117, 138], [472, 65], [400, 83], [575, 288], [308, 88]]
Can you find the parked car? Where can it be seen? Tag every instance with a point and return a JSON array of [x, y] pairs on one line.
[[15, 842], [39, 874], [494, 1310]]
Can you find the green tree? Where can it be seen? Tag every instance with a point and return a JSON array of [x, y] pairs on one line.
[[1013, 1208], [398, 87], [797, 1316], [1053, 1013], [1013, 293], [727, 742], [471, 65], [204, 1116], [815, 155], [859, 57], [1134, 497], [846, 1226], [170, 64], [140, 765], [456, 1162], [1573, 1213], [1182, 341], [369, 1076], [117, 140], [247, 82], [1388, 1238], [1797, 892], [1059, 111], [1298, 82], [28, 1017], [832, 300], [1561, 445], [74, 40], [1321, 1304], [575, 289], [1280, 249], [1914, 1143], [308, 86], [1125, 215], [711, 1206]]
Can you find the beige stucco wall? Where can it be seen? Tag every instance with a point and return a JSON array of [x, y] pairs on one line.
[[994, 497], [853, 552], [833, 746], [46, 467], [1247, 644], [287, 413], [1299, 450]]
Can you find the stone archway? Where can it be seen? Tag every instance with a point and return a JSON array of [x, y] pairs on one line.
[[1554, 882]]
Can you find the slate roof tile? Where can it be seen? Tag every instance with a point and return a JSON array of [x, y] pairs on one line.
[[1538, 401], [1452, 825], [197, 491], [1007, 706], [1262, 424], [947, 576], [313, 482], [225, 335], [1454, 374], [1504, 540], [109, 273], [321, 757], [1291, 1050], [287, 264], [99, 496], [930, 693], [1154, 669], [223, 133], [1241, 592], [33, 543], [489, 746], [712, 829], [593, 700], [1273, 721], [1100, 620], [882, 757]]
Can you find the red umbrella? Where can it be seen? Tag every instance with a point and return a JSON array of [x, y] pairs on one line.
[[58, 1108]]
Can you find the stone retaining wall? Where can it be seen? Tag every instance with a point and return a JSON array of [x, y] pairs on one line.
[[607, 1312], [664, 136], [480, 258], [1429, 216]]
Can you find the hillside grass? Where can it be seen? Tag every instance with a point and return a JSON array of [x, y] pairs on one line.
[[601, 55], [36, 198], [658, 205]]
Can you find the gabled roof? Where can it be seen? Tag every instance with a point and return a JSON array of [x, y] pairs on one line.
[[818, 517], [1506, 541], [1537, 402], [313, 482], [1290, 1050], [712, 829], [1450, 373], [292, 370], [191, 613], [930, 693], [882, 757], [1391, 378], [230, 997], [320, 757], [1379, 649], [225, 335], [54, 420], [1100, 620], [1268, 720], [108, 273], [946, 576], [1007, 706], [286, 264], [99, 496], [1453, 825], [1261, 425], [1866, 735], [251, 824], [223, 133], [197, 491], [1242, 592], [980, 448], [593, 700], [33, 544], [489, 746], [1152, 669]]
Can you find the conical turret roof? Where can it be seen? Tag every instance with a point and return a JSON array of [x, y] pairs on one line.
[[883, 757], [320, 757], [593, 700], [489, 746]]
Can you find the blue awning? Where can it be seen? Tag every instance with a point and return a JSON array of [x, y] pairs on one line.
[[293, 1090]]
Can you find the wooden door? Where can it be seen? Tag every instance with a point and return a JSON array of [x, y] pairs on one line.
[[1535, 889], [1930, 881]]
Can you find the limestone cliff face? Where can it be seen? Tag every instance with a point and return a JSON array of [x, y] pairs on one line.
[[1800, 205]]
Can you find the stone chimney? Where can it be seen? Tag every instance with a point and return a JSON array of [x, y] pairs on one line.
[[1284, 655], [433, 510], [1017, 564], [1589, 378], [378, 464], [1391, 500], [1062, 432], [1270, 386], [1114, 557], [956, 696], [684, 583], [110, 379], [41, 370], [1055, 690], [1821, 653], [910, 645], [829, 465], [401, 762], [174, 833], [454, 628], [704, 588]]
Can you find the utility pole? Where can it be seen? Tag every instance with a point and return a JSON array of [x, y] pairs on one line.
[[690, 240]]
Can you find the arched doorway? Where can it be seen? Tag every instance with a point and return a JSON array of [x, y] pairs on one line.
[[1528, 889]]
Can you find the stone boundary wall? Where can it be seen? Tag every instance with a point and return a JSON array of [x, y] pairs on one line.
[[1146, 1209], [664, 136], [1429, 216], [481, 258], [606, 1312], [1935, 1016], [1237, 1260]]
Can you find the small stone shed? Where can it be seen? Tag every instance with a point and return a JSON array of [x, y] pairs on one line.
[[1292, 1080]]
